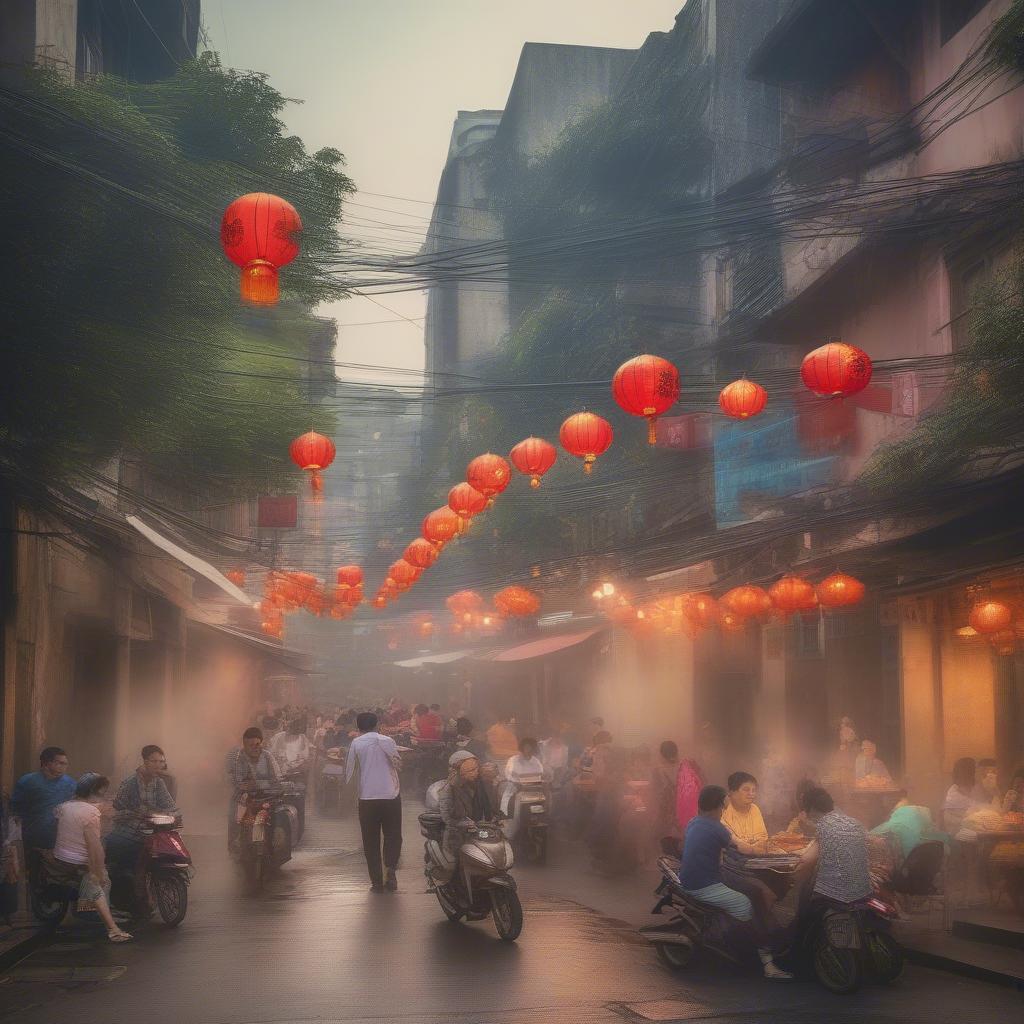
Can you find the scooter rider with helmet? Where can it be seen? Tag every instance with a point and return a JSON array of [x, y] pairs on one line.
[[468, 797]]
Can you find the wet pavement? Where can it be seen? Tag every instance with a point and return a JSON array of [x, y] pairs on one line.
[[317, 946]]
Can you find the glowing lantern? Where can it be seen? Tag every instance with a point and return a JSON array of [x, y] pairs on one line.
[[426, 628], [701, 610], [517, 602], [840, 591], [441, 525], [533, 457], [312, 452], [402, 574], [236, 576], [792, 594], [742, 399], [421, 553], [380, 601], [747, 601], [465, 602], [260, 233], [349, 576], [466, 501], [646, 386], [490, 474], [355, 596], [836, 370], [990, 616], [586, 436]]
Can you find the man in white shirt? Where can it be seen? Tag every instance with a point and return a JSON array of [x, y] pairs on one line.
[[380, 801]]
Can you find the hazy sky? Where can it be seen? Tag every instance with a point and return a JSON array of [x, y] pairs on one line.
[[381, 80]]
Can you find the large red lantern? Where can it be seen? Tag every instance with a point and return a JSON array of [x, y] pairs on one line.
[[836, 370], [260, 233], [402, 574], [464, 602], [534, 457], [792, 595], [586, 436], [701, 610], [421, 553], [490, 474], [990, 616], [742, 399], [349, 576], [747, 601], [840, 591], [441, 525], [466, 501], [312, 452], [646, 386], [516, 602]]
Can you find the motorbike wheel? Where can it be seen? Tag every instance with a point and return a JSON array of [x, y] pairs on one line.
[[675, 957], [886, 954], [50, 911], [539, 847], [838, 970], [281, 850], [171, 896], [448, 905], [255, 865], [507, 912]]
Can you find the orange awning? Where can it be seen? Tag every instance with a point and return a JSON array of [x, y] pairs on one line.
[[540, 648]]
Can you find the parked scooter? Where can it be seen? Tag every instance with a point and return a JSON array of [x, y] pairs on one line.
[[479, 883], [165, 869], [531, 795], [266, 827]]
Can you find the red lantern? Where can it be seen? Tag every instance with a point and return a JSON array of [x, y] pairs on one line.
[[350, 576], [421, 553], [466, 501], [836, 370], [312, 452], [840, 591], [426, 628], [747, 601], [441, 525], [465, 602], [490, 474], [701, 610], [990, 616], [534, 457], [517, 602], [646, 386], [260, 233], [236, 576], [355, 596], [742, 399], [792, 594], [586, 436], [380, 601], [402, 574]]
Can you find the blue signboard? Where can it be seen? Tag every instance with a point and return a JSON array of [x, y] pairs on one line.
[[762, 458]]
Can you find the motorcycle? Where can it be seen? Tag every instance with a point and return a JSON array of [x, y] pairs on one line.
[[532, 797], [479, 884], [293, 792], [165, 867], [266, 825]]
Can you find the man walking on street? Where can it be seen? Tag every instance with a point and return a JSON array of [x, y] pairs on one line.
[[380, 801]]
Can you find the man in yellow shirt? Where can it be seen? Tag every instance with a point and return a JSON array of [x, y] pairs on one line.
[[742, 817], [502, 742]]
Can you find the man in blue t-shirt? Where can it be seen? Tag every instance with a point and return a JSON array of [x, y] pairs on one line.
[[701, 871], [37, 794]]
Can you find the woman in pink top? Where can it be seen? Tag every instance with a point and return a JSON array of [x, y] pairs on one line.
[[688, 787], [78, 848]]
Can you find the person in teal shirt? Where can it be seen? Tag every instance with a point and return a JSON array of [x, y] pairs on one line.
[[37, 794]]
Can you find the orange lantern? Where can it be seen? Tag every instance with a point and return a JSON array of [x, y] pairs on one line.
[[840, 591], [380, 601], [236, 576], [490, 474], [402, 574], [466, 501], [747, 601], [646, 386], [533, 457], [792, 594], [586, 436], [421, 553], [836, 370], [349, 576], [464, 602], [742, 399], [312, 452], [701, 610], [259, 232], [441, 525], [426, 628], [990, 616], [517, 602]]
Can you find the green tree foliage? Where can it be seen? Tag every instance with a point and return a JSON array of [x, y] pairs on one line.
[[123, 325], [979, 426]]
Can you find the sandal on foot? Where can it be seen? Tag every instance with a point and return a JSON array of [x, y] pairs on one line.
[[119, 936]]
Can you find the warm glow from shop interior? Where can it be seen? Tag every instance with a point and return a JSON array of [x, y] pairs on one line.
[[597, 595], [487, 620], [607, 589], [966, 631]]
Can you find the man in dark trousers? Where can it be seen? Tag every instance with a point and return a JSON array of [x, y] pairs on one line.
[[380, 801]]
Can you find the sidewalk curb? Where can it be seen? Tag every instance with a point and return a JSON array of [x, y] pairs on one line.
[[17, 951], [950, 965]]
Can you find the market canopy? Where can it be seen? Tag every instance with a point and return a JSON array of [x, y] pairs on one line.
[[540, 648]]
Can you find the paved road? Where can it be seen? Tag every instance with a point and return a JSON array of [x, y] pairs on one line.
[[318, 947]]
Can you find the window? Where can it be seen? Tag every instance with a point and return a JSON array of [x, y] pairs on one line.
[[954, 15], [970, 269], [809, 641]]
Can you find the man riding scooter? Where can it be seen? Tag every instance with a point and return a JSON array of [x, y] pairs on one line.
[[249, 768], [291, 750]]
